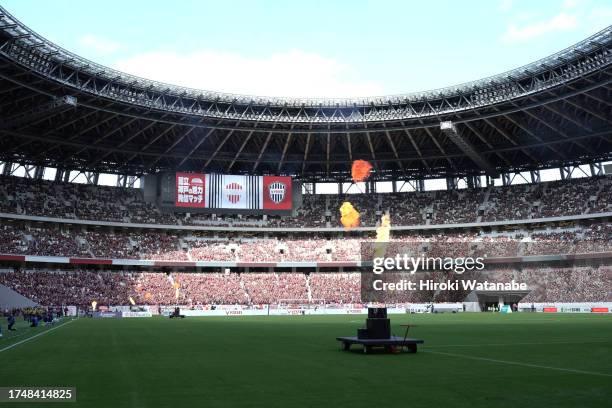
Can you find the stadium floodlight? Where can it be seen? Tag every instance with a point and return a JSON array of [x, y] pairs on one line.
[[70, 100], [449, 129], [447, 126]]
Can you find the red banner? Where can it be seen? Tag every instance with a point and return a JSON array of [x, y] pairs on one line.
[[276, 193], [599, 310], [190, 190], [550, 310]]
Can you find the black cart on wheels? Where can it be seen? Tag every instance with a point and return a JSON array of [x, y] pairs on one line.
[[377, 334], [387, 344]]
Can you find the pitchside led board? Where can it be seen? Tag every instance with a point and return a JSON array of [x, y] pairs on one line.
[[231, 192]]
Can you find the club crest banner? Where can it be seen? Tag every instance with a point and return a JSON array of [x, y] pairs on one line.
[[225, 191]]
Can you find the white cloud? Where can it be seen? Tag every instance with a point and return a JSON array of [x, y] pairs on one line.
[[505, 5], [561, 22], [598, 19], [99, 44], [567, 4], [294, 73]]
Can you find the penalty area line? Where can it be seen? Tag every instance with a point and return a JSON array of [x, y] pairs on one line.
[[516, 363], [35, 336]]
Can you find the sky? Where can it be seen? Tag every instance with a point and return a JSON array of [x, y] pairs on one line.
[[314, 48]]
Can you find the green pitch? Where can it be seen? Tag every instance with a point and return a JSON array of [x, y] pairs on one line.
[[468, 360]]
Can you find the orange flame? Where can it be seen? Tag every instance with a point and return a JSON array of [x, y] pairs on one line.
[[349, 216], [382, 236], [360, 170], [384, 231]]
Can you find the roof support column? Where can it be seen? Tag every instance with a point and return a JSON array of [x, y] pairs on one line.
[[474, 181], [308, 188], [419, 185], [59, 173], [7, 170], [566, 172], [121, 180], [39, 172], [131, 181], [506, 179], [596, 169], [92, 177], [29, 171], [370, 187]]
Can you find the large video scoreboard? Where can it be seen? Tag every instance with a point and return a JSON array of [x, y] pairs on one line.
[[223, 193], [195, 190]]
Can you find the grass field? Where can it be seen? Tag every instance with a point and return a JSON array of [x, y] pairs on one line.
[[468, 360]]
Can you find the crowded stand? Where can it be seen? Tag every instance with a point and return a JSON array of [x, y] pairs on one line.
[[501, 245], [561, 198], [45, 241], [80, 287], [266, 288], [116, 246], [70, 287], [101, 203], [552, 243], [311, 214], [211, 250], [578, 284], [155, 245], [40, 242], [407, 209], [456, 207], [12, 240], [596, 238], [603, 199], [44, 198], [510, 203], [335, 287]]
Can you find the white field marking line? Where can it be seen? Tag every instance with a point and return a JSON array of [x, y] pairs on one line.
[[23, 330], [12, 337], [493, 360], [35, 336], [518, 344]]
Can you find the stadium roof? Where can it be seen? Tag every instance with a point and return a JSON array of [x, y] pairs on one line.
[[61, 110]]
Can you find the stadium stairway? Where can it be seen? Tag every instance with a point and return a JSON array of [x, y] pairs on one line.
[[246, 292], [308, 290], [484, 205], [10, 299], [595, 199]]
